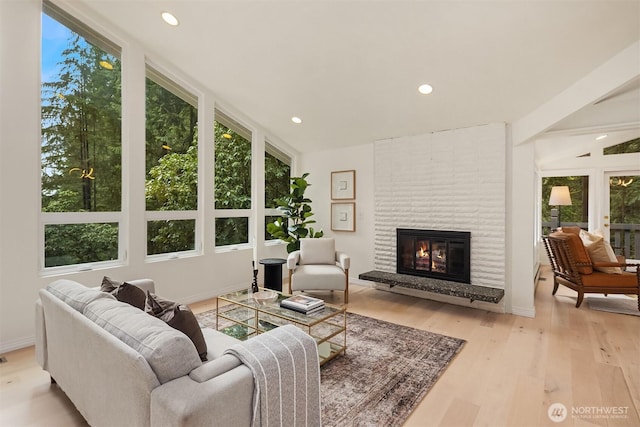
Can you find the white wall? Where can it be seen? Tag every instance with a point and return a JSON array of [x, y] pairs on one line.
[[493, 217], [184, 280], [320, 164], [451, 180]]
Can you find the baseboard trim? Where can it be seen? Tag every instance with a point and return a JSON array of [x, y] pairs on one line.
[[17, 344], [524, 312]]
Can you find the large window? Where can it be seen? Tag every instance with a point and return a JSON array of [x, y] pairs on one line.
[[171, 165], [277, 174], [81, 143], [232, 181], [575, 214]]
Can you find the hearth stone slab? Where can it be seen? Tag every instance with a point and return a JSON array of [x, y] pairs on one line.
[[462, 290]]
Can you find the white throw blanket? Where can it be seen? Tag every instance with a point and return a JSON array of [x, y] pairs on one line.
[[286, 372]]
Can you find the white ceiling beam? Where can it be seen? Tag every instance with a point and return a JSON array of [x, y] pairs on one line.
[[619, 70]]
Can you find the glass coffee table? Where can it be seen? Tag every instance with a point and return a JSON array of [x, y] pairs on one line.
[[240, 316]]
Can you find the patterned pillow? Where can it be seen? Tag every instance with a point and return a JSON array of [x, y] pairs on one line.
[[179, 317], [124, 292]]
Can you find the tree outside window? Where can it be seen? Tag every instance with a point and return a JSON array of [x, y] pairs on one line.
[[171, 164], [232, 180], [81, 141], [277, 174]]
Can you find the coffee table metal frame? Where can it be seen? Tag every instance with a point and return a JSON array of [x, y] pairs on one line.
[[239, 315]]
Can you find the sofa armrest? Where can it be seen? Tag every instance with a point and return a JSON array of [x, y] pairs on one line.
[[224, 400], [607, 264], [343, 259], [293, 259], [41, 337], [214, 368]]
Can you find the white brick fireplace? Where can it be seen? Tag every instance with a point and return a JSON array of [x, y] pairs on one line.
[[449, 180]]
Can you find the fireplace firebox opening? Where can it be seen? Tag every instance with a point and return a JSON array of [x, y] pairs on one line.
[[438, 254]]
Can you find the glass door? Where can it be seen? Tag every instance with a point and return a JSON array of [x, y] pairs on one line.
[[621, 213]]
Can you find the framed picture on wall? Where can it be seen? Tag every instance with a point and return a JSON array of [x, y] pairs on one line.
[[343, 216], [343, 185]]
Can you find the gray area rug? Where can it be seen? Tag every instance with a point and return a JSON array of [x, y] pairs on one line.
[[614, 305], [386, 371]]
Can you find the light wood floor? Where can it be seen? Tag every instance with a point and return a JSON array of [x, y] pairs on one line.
[[508, 374]]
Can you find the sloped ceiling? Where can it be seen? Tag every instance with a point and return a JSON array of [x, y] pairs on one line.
[[350, 69]]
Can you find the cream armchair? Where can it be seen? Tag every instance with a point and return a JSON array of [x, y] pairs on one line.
[[318, 266]]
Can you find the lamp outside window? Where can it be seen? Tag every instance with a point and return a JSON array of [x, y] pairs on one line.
[[560, 197]]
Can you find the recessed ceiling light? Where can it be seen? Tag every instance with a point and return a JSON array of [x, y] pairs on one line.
[[169, 19], [425, 89], [598, 138], [296, 120]]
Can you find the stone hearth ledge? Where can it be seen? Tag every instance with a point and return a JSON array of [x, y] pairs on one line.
[[462, 290]]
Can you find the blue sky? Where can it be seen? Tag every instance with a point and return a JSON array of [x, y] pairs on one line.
[[54, 41]]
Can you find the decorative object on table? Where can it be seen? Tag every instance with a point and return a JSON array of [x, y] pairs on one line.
[[296, 211], [265, 297], [273, 273], [388, 370], [303, 304], [343, 216], [559, 197], [343, 185], [254, 284]]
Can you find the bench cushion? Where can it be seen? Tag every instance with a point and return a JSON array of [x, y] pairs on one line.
[[600, 279]]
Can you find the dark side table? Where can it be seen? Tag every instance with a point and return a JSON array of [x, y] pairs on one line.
[[273, 273]]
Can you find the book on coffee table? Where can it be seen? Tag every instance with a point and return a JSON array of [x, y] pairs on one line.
[[302, 303]]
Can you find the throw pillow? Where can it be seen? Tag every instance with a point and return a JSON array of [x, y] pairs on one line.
[[124, 292], [599, 250], [158, 307], [179, 317]]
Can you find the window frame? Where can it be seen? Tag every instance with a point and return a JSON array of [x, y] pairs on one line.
[[162, 77], [235, 213], [106, 43]]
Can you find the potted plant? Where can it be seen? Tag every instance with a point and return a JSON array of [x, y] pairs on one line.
[[296, 211]]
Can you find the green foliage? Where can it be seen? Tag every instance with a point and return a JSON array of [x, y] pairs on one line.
[[232, 169], [172, 183], [170, 236], [81, 161], [632, 146], [276, 180], [232, 231], [81, 146], [67, 244], [296, 211]]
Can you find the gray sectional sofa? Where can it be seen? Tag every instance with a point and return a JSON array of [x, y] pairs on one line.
[[123, 367]]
